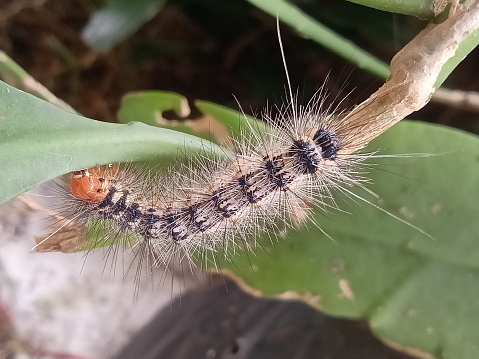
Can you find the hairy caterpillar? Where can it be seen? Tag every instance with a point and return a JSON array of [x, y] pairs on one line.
[[278, 175], [271, 180], [274, 176]]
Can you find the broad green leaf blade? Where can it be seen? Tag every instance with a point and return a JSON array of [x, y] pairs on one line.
[[216, 123], [416, 291], [39, 141], [118, 20]]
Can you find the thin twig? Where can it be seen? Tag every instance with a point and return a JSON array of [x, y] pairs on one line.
[[464, 100]]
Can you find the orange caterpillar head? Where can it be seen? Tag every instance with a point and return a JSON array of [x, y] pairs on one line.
[[92, 184]]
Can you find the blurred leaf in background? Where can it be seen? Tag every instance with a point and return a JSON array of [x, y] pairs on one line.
[[118, 20]]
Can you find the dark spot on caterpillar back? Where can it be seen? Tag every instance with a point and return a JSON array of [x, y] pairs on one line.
[[108, 201], [120, 205], [132, 212], [276, 173], [328, 143], [306, 156]]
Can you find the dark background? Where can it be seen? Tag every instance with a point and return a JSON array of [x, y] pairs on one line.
[[211, 50]]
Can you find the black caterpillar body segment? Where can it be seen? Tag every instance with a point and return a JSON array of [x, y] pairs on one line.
[[108, 200], [328, 143], [133, 213], [306, 156]]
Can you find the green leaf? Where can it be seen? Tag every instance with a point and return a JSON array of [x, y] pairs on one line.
[[221, 122], [118, 20], [39, 141], [423, 9], [465, 47], [416, 291], [149, 106], [237, 129], [310, 28], [15, 75]]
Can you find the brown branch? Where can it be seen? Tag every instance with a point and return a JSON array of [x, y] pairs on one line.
[[414, 72]]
